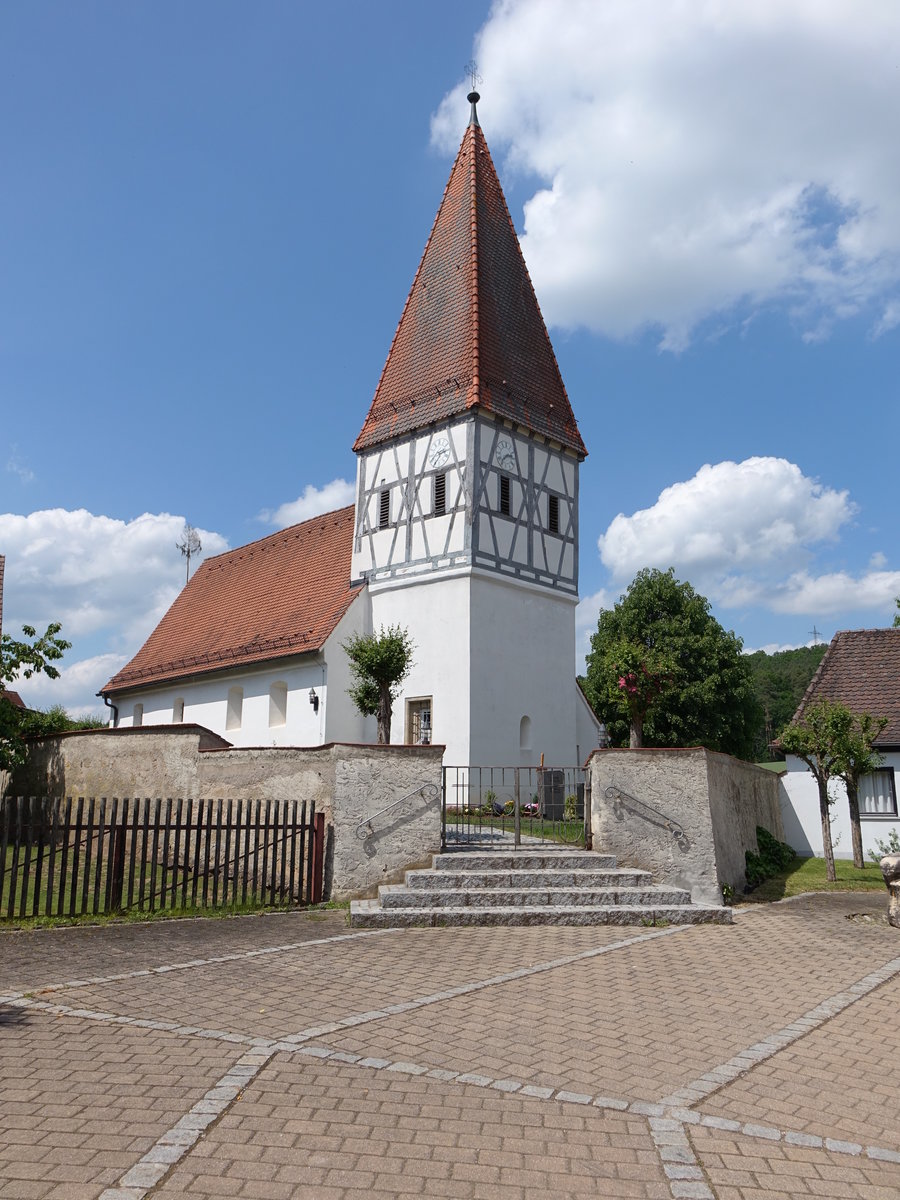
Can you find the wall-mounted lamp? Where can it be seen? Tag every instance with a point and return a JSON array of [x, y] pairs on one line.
[[314, 699], [603, 737]]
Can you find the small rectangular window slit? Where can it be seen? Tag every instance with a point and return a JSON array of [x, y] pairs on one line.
[[384, 509], [553, 514], [440, 494], [504, 495]]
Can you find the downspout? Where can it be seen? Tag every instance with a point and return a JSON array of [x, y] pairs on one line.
[[114, 707]]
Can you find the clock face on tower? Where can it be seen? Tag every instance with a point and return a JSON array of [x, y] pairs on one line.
[[439, 452], [505, 455]]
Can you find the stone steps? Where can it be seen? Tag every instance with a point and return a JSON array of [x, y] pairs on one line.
[[553, 887]]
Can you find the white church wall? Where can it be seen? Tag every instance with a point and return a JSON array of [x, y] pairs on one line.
[[522, 664], [343, 722], [206, 702], [436, 613], [587, 727], [803, 825]]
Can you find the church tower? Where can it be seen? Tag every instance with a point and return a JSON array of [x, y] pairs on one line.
[[466, 526]]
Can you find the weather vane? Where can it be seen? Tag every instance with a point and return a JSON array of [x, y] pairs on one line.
[[472, 72]]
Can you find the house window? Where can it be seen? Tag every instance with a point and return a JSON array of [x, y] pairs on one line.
[[504, 495], [235, 707], [553, 514], [418, 721], [178, 711], [277, 704], [137, 717], [877, 795], [384, 509], [440, 494]]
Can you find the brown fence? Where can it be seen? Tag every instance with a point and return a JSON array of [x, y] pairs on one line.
[[72, 857]]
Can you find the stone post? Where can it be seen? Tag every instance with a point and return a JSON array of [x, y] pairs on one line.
[[890, 869]]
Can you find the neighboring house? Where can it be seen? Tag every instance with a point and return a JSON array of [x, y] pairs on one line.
[[861, 669], [464, 532]]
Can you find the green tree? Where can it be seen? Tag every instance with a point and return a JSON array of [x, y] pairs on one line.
[[663, 672], [816, 739], [379, 663], [855, 756], [779, 681], [23, 659], [897, 614]]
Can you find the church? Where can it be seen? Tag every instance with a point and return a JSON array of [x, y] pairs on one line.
[[464, 532]]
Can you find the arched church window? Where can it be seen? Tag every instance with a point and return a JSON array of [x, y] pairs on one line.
[[525, 733], [137, 717], [277, 704], [178, 711], [235, 708]]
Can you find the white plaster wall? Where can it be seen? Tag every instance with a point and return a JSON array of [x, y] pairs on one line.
[[436, 613], [800, 813], [523, 664], [343, 721], [206, 700], [587, 727]]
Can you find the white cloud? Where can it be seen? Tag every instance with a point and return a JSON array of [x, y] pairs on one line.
[[16, 465], [699, 157], [746, 535], [94, 573], [761, 512], [107, 581], [311, 503], [77, 686]]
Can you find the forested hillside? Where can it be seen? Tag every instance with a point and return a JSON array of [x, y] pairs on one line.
[[780, 681]]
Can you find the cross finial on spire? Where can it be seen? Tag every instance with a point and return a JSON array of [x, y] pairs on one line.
[[473, 97]]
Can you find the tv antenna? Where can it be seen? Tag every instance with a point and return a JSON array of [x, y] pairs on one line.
[[189, 544]]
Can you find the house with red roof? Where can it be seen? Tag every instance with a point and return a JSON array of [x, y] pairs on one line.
[[464, 532], [861, 669]]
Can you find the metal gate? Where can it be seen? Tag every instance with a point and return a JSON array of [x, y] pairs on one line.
[[512, 808]]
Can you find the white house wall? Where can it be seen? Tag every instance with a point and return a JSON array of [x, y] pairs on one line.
[[803, 825], [343, 722]]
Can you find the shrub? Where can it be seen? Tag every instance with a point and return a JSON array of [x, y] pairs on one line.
[[773, 856], [890, 846]]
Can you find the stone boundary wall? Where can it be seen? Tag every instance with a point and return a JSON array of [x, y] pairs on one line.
[[715, 799], [347, 782]]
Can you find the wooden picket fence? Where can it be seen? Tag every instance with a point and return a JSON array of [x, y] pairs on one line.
[[76, 856]]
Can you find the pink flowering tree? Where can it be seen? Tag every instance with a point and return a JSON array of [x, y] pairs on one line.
[[641, 677]]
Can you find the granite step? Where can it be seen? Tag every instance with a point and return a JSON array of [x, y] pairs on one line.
[[531, 887], [397, 895], [523, 860], [369, 914], [614, 877]]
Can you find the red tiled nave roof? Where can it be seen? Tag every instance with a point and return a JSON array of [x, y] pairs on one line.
[[471, 334], [279, 596]]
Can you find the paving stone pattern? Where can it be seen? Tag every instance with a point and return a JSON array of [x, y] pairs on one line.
[[291, 1057]]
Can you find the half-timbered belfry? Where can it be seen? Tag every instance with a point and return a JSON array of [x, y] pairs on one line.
[[467, 491], [464, 531]]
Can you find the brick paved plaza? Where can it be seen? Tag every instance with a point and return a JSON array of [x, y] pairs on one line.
[[288, 1056]]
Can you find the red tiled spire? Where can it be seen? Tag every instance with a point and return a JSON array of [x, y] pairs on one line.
[[471, 334]]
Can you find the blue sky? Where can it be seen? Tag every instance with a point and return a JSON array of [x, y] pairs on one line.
[[212, 212]]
